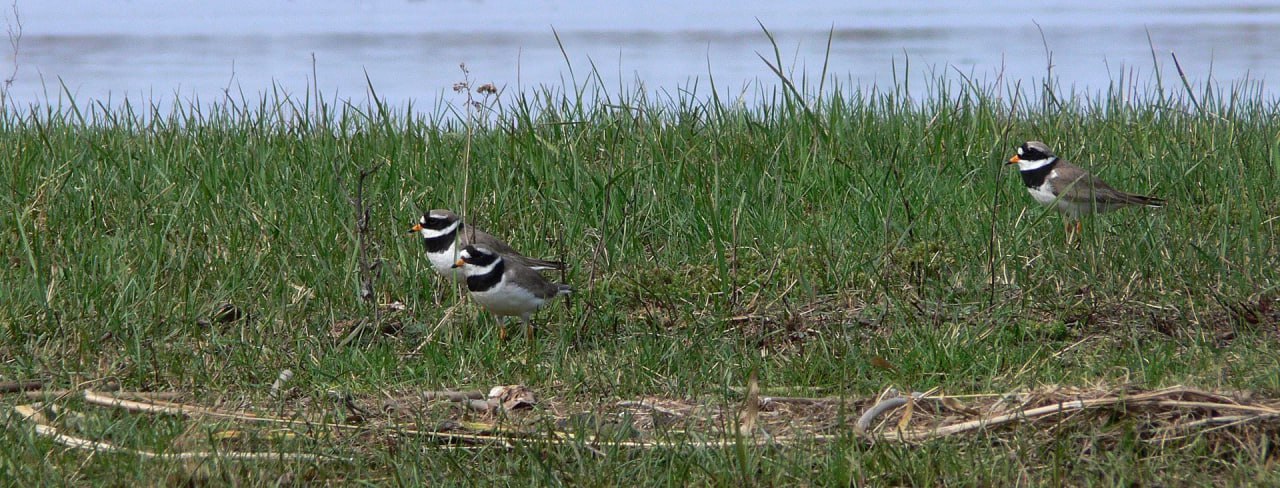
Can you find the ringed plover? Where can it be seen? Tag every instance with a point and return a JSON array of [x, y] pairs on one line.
[[506, 288], [1053, 181], [443, 234]]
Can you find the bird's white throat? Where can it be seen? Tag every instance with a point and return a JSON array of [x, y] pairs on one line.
[[1028, 165], [473, 270]]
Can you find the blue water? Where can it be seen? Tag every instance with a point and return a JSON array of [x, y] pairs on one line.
[[159, 50]]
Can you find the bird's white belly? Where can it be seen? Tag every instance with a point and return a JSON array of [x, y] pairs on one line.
[[443, 262], [1043, 194], [505, 299]]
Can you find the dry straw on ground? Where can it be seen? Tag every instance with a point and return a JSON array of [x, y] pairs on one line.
[[508, 415]]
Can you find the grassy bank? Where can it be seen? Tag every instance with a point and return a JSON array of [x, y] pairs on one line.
[[810, 240]]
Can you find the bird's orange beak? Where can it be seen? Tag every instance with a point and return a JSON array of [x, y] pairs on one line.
[[415, 228], [459, 263], [1014, 160]]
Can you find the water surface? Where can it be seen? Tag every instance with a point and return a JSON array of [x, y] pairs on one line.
[[158, 50]]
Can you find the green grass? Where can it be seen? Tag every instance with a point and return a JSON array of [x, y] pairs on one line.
[[796, 239]]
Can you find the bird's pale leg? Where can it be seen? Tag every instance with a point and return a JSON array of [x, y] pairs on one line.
[[528, 328], [502, 328]]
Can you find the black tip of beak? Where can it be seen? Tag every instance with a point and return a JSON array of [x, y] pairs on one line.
[[411, 231], [454, 266]]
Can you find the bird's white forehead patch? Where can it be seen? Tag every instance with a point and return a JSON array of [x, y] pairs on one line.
[[1019, 150], [465, 254]]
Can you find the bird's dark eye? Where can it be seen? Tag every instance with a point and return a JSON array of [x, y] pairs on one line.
[[437, 223], [1031, 153], [478, 257]]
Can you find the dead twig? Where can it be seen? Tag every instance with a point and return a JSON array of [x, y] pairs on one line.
[[750, 407], [16, 386], [474, 400], [15, 42], [456, 396], [893, 401], [651, 407], [1167, 398], [370, 265], [195, 411], [43, 429], [767, 402]]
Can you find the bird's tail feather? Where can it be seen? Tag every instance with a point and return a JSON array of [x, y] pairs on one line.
[[543, 264], [1147, 200]]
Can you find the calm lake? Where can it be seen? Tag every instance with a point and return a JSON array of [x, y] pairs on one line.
[[159, 50]]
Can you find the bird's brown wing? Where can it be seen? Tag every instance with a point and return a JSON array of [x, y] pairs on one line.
[[1084, 188], [533, 281], [476, 236]]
